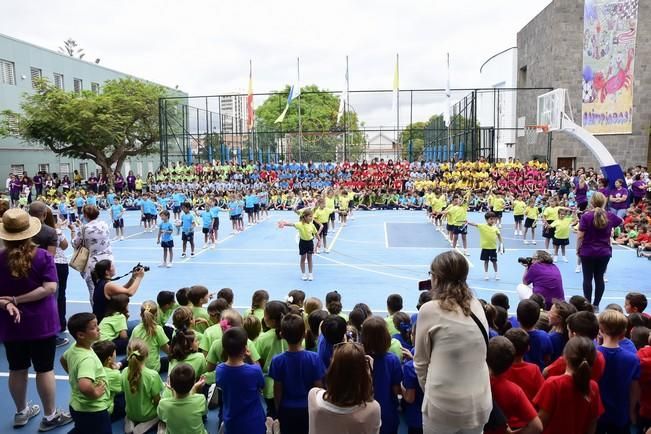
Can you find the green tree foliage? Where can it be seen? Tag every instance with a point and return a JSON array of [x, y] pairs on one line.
[[106, 128], [434, 134], [322, 137]]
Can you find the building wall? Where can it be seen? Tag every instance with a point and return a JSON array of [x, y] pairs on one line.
[[14, 151], [550, 49]]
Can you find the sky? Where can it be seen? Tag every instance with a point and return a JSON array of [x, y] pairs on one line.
[[204, 47]]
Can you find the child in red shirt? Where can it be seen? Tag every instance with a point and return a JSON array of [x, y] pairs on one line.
[[524, 374], [644, 414], [571, 403], [508, 396]]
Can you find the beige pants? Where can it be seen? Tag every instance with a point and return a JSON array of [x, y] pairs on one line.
[[431, 426]]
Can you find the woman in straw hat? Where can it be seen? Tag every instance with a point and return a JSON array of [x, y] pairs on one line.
[[29, 321]]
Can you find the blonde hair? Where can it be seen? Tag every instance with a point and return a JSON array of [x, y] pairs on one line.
[[19, 257], [612, 323], [149, 316], [182, 318], [232, 317], [449, 274], [307, 214], [137, 353], [598, 202], [312, 304]]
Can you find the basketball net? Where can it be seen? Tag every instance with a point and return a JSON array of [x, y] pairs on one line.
[[531, 132]]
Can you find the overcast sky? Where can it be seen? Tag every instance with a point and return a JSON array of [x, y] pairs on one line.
[[204, 46]]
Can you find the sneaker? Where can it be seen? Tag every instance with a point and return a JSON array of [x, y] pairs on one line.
[[638, 251], [555, 259], [169, 265], [310, 276], [205, 246], [60, 419], [533, 242], [577, 269], [596, 308], [183, 255], [486, 276], [497, 276], [304, 276], [526, 242], [326, 251], [605, 278], [162, 265], [565, 259], [214, 246], [122, 238], [61, 342], [21, 419], [192, 254], [466, 253]]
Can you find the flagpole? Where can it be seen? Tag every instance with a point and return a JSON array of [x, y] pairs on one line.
[[398, 98], [300, 126], [449, 106], [346, 105]]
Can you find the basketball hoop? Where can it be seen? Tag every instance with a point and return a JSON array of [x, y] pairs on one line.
[[531, 132]]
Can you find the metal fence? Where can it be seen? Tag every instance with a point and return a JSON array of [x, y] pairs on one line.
[[480, 124]]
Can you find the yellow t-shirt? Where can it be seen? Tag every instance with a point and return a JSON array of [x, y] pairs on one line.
[[550, 213], [562, 228], [438, 203], [458, 214], [322, 215], [531, 212], [498, 204], [306, 231], [519, 207], [488, 236]]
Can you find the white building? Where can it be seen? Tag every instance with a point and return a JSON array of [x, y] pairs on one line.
[[496, 108], [381, 146], [232, 109]]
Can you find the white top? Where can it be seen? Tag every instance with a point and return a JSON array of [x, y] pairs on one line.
[[60, 256], [450, 363], [327, 418], [96, 238]]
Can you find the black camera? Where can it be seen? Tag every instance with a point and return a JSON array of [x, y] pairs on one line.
[[525, 261], [139, 265]]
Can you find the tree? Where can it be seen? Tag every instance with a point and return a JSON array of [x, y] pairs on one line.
[[72, 49], [415, 133], [106, 128]]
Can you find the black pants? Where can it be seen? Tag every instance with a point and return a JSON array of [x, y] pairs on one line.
[[607, 428], [271, 408], [293, 420], [119, 407], [97, 422], [62, 274], [412, 430], [594, 267]]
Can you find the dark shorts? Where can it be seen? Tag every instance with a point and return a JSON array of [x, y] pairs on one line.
[[256, 207], [460, 230], [38, 353], [176, 209], [150, 217], [560, 242], [449, 228], [324, 231], [518, 218], [236, 217], [488, 255], [118, 223], [528, 223], [205, 230], [187, 236], [248, 210], [548, 232], [215, 224], [332, 218], [167, 244], [499, 214], [305, 247]]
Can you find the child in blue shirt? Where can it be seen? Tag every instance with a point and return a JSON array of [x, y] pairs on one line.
[[294, 373], [91, 199], [540, 345], [79, 203], [187, 228], [241, 385], [206, 225], [165, 231], [63, 208], [235, 213], [214, 213], [249, 207], [412, 395], [117, 211]]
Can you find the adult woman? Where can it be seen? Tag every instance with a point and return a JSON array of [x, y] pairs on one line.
[[28, 317], [95, 235], [131, 181], [581, 193], [593, 245], [61, 263], [105, 288], [450, 359], [638, 188], [118, 182], [618, 199], [545, 277], [343, 409], [15, 187]]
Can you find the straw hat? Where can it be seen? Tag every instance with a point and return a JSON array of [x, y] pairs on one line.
[[17, 225]]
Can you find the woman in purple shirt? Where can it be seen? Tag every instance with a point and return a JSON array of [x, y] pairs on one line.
[[29, 321], [638, 188], [545, 277], [593, 246], [618, 199], [119, 182], [581, 193], [131, 181]]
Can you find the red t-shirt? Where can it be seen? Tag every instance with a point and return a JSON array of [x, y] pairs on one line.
[[559, 365], [527, 376], [645, 381], [569, 411], [643, 238], [512, 401]]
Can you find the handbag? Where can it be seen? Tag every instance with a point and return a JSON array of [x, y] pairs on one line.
[[80, 256]]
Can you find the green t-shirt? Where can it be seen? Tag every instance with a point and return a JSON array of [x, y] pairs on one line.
[[488, 236], [562, 228], [519, 207], [196, 360], [154, 344], [115, 384], [140, 406], [258, 313], [396, 348], [84, 363], [392, 328], [111, 326], [164, 315], [306, 231], [200, 312], [211, 334], [183, 415], [215, 355], [550, 213], [268, 345]]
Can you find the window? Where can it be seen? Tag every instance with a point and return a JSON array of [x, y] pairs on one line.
[[83, 170], [64, 169], [17, 169], [95, 88], [58, 80], [36, 75], [44, 167], [78, 85], [7, 72]]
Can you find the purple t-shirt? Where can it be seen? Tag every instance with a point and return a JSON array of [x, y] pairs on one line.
[[39, 319], [547, 281], [618, 192], [581, 193], [639, 189], [596, 242]]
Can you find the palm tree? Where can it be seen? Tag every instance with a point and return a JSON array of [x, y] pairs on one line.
[[72, 49]]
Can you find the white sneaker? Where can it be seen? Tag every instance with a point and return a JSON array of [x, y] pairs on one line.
[[205, 246], [497, 276], [565, 259], [162, 265], [577, 269], [555, 259], [310, 277], [486, 276], [122, 238], [169, 265], [465, 252], [605, 278], [533, 241], [214, 246], [526, 242], [304, 277]]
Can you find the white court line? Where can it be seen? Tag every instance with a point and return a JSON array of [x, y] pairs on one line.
[[470, 264], [221, 249], [266, 264], [357, 267], [32, 376], [334, 240], [386, 236], [202, 251], [361, 242]]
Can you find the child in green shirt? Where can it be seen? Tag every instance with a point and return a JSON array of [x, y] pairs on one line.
[[113, 326], [562, 227], [198, 296], [105, 351], [166, 306], [90, 397], [184, 411], [152, 335]]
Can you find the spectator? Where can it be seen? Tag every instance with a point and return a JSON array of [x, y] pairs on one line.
[[451, 363], [545, 277], [105, 287]]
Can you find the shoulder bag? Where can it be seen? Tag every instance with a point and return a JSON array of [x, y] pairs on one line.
[[80, 256]]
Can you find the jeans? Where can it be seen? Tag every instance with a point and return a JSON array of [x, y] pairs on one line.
[[594, 267], [621, 213], [97, 422]]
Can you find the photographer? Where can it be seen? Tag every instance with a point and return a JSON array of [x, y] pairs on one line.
[[545, 277], [106, 287]]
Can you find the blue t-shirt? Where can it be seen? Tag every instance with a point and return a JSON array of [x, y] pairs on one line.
[[110, 197], [558, 344], [241, 388], [148, 206], [206, 219], [63, 209], [249, 201], [178, 199], [116, 210], [413, 413], [91, 200], [622, 368], [539, 346], [166, 226], [628, 345], [234, 208], [214, 212], [79, 202], [403, 341], [325, 350], [297, 371], [186, 222], [387, 373]]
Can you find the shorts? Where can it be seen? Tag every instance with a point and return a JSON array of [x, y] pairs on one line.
[[38, 353], [263, 206], [460, 230], [205, 230], [256, 207], [176, 209], [215, 224], [332, 219], [548, 232], [529, 223], [323, 227], [499, 214], [518, 218], [449, 228], [187, 236], [118, 223], [560, 242], [236, 217], [305, 247], [150, 217], [249, 210], [167, 244], [488, 255]]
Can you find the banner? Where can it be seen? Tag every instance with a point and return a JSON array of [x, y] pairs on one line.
[[610, 29]]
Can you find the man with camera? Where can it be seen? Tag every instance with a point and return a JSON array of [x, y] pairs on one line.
[[541, 272]]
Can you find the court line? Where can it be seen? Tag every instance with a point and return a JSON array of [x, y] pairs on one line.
[[334, 240], [343, 264], [262, 264], [360, 242], [202, 251], [221, 249], [32, 376], [386, 236]]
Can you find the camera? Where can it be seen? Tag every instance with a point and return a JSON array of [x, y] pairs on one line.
[[139, 265], [526, 261]]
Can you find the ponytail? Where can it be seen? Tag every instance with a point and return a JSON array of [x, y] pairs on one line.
[[138, 352], [580, 354], [581, 377], [181, 346], [19, 257], [149, 317], [600, 220]]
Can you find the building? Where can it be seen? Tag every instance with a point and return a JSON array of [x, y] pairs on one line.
[[21, 63], [232, 109], [497, 108], [551, 50], [381, 147]]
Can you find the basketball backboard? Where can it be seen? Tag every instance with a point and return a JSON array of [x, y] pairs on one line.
[[550, 109]]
